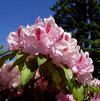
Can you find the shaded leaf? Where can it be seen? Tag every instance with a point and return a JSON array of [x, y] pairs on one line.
[[32, 64], [63, 82], [51, 71], [21, 59]]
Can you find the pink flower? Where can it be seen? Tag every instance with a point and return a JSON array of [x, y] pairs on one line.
[[84, 78], [51, 35], [30, 40], [84, 63], [38, 38], [62, 97], [15, 39], [96, 97], [39, 21], [71, 54], [94, 82], [9, 78], [65, 51], [50, 24], [47, 38]]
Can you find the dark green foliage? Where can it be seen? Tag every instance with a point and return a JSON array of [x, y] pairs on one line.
[[82, 19]]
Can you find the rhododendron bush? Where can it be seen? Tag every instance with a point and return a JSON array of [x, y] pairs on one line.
[[44, 63]]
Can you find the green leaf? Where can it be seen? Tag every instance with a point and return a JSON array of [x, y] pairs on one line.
[[78, 93], [18, 55], [69, 77], [1, 47], [4, 52], [41, 60], [68, 73], [26, 75], [92, 89], [5, 57]]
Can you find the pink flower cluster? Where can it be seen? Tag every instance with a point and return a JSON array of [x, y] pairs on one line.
[[47, 38], [96, 97], [9, 78], [95, 82], [62, 97]]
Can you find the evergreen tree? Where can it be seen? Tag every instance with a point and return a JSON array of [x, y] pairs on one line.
[[82, 19]]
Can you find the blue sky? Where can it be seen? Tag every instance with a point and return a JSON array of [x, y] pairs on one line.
[[14, 13]]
